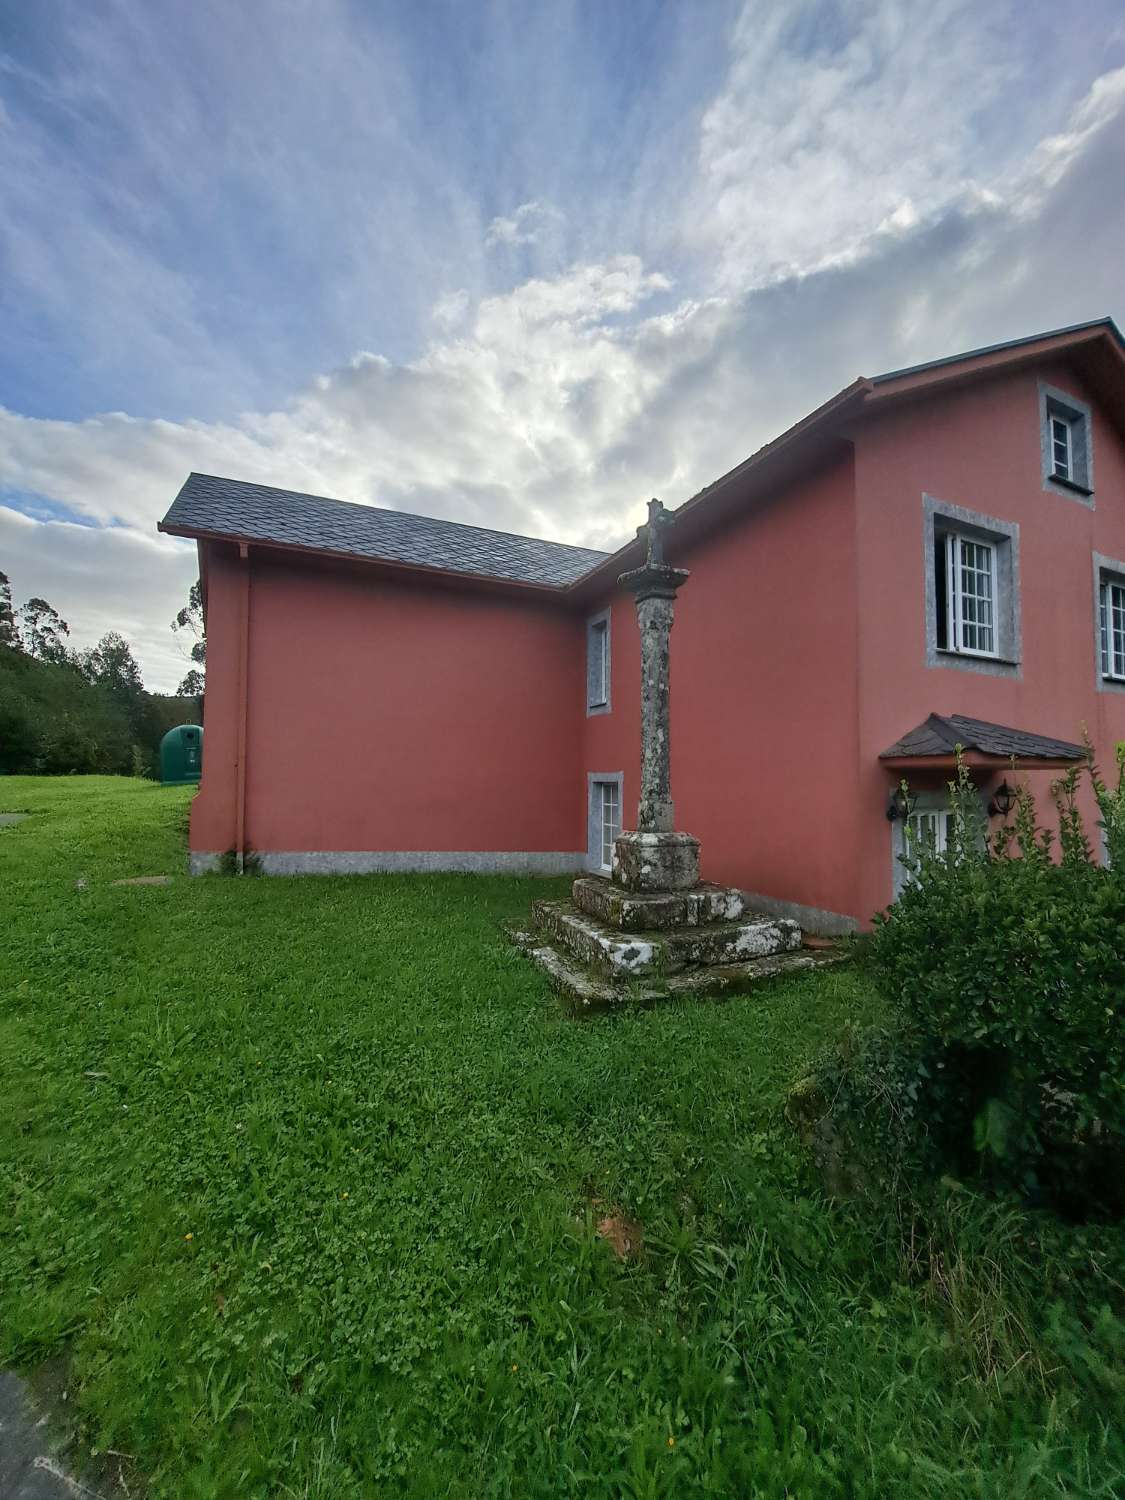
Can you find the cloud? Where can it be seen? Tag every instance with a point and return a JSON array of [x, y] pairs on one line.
[[524, 226], [840, 216]]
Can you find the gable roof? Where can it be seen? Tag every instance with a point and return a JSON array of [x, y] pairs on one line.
[[209, 506], [939, 736]]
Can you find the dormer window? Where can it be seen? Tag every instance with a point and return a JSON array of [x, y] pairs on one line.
[[1068, 464]]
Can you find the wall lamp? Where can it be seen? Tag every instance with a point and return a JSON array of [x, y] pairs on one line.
[[1003, 800], [901, 804]]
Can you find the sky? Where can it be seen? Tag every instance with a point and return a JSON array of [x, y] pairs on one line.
[[516, 264]]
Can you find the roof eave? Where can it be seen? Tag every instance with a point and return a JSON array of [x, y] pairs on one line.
[[557, 591], [979, 760]]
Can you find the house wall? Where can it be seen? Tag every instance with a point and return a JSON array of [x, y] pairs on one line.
[[978, 448], [386, 718], [763, 696]]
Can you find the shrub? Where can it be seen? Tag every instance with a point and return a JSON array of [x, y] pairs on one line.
[[1008, 964]]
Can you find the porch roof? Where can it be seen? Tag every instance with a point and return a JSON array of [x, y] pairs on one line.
[[933, 745]]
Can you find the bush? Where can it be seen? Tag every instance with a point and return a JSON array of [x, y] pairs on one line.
[[1008, 966]]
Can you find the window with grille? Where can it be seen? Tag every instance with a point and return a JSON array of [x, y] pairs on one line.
[[1111, 618], [966, 594], [609, 817]]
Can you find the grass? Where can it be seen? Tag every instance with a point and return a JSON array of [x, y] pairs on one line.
[[303, 1180]]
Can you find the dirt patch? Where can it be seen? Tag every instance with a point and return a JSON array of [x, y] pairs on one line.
[[624, 1236]]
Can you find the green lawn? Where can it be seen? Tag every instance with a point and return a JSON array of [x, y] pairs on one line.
[[303, 1180]]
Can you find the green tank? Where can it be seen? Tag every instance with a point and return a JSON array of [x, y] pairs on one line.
[[181, 755]]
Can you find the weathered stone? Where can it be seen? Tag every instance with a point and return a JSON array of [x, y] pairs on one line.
[[656, 861], [618, 955], [624, 956], [589, 993], [653, 587], [643, 911], [728, 942]]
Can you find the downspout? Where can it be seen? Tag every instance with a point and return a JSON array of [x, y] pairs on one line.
[[243, 695]]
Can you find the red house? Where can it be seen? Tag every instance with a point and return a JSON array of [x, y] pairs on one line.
[[933, 557]]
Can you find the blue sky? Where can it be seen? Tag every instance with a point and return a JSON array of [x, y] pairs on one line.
[[512, 263]]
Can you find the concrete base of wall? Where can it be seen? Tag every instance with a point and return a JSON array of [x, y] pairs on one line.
[[811, 918], [402, 862]]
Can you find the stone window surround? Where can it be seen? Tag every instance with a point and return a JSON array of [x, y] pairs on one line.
[[1004, 536], [1077, 413], [1104, 567], [593, 815], [602, 618]]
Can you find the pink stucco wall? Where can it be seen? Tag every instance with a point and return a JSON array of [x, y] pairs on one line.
[[978, 448], [402, 716], [763, 696], [384, 716]]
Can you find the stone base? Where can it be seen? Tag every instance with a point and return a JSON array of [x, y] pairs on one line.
[[656, 861], [642, 911], [624, 956], [587, 990]]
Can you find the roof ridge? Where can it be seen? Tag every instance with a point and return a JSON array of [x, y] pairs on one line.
[[386, 510], [1032, 338]]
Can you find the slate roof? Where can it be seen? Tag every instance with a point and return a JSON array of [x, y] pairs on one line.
[[211, 506], [940, 734]]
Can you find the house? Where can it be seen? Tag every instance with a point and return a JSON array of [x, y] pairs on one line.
[[934, 557]]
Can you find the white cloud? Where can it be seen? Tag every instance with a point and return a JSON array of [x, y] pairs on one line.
[[523, 227], [842, 220]]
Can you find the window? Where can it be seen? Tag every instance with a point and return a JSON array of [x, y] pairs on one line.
[[1061, 446], [610, 818], [928, 829], [972, 590], [1068, 466], [965, 591], [597, 664], [1111, 623], [603, 818]]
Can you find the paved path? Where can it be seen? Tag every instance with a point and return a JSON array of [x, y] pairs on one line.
[[29, 1469]]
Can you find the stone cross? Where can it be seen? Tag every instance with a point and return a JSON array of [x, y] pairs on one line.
[[653, 587]]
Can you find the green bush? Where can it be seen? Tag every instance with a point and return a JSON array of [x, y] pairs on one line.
[[1007, 960]]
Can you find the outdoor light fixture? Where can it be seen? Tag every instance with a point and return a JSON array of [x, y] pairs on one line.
[[901, 803], [1003, 799]]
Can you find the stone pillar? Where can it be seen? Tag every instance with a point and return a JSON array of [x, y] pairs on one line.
[[655, 857]]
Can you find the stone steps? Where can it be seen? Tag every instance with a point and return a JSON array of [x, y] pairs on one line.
[[623, 956], [589, 991]]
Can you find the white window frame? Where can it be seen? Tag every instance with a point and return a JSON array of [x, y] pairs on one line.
[[1111, 661], [955, 623], [1057, 421], [602, 787], [609, 802]]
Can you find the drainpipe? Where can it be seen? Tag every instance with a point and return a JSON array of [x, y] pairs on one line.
[[243, 693]]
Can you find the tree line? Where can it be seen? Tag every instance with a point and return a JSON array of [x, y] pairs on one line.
[[64, 710]]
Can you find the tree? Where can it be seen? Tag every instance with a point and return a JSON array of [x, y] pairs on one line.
[[9, 632], [112, 665], [44, 632], [192, 685]]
